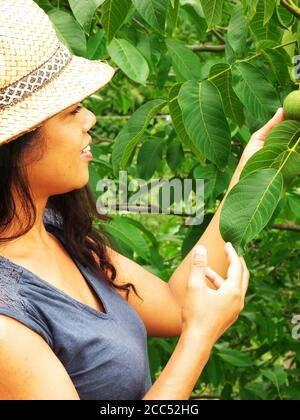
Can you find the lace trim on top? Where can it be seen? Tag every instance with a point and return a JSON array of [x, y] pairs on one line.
[[10, 276]]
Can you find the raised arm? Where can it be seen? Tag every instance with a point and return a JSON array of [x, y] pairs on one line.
[[206, 315], [212, 239]]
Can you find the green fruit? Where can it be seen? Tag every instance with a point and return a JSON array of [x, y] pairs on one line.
[[291, 106]]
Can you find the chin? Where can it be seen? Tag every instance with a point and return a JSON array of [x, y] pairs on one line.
[[78, 185], [83, 184]]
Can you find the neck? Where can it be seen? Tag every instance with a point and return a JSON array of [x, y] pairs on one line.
[[36, 237]]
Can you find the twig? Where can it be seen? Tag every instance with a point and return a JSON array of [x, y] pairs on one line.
[[139, 23], [219, 36], [291, 7], [291, 227], [207, 48], [211, 48], [126, 117], [147, 210]]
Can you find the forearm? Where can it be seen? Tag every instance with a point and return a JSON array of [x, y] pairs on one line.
[[214, 244], [183, 370]]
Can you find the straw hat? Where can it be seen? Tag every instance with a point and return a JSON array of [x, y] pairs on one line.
[[39, 77]]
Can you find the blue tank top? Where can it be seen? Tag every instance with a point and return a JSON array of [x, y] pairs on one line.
[[105, 354]]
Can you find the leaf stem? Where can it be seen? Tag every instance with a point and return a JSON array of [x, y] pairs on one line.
[[291, 7], [252, 58]]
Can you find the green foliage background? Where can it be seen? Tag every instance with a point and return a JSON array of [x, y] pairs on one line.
[[183, 65]]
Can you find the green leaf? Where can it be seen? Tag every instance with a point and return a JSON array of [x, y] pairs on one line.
[[262, 31], [154, 12], [294, 203], [238, 30], [172, 13], [114, 13], [220, 75], [281, 151], [214, 369], [269, 7], [45, 5], [103, 163], [146, 167], [251, 8], [69, 31], [277, 375], [84, 11], [129, 234], [213, 10], [96, 46], [176, 115], [284, 16], [254, 392], [195, 14], [235, 358], [249, 207], [149, 46], [205, 121], [298, 36], [186, 64], [129, 59], [143, 229], [255, 91], [132, 133], [163, 71], [279, 62], [175, 155], [215, 181]]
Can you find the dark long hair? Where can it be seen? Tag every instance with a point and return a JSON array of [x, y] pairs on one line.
[[76, 209]]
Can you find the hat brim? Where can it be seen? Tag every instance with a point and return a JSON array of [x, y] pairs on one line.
[[80, 79]]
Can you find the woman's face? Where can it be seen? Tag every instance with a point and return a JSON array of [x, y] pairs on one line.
[[62, 167]]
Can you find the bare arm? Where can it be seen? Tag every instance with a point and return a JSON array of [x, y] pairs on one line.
[[183, 370], [206, 315], [212, 239], [29, 370]]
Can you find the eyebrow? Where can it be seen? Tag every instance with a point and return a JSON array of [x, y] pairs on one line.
[[73, 107]]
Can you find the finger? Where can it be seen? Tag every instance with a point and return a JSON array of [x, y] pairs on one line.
[[236, 269], [246, 278], [199, 265], [214, 277], [262, 133]]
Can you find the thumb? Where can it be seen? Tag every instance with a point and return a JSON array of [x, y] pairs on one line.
[[199, 265]]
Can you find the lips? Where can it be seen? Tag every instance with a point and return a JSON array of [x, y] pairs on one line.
[[87, 148]]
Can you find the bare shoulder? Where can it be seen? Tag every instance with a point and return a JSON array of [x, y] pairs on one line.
[[29, 370]]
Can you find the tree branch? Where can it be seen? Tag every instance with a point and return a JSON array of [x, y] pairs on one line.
[[291, 7], [207, 47], [219, 36], [291, 227], [211, 48], [127, 117], [147, 210]]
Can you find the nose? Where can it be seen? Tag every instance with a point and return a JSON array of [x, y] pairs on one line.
[[90, 121]]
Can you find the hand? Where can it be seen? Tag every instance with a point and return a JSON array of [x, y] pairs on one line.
[[208, 312], [258, 138]]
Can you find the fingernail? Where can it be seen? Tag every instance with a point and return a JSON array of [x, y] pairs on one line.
[[228, 244], [200, 258], [199, 251]]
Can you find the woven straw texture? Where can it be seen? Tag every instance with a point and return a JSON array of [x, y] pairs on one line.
[[39, 77]]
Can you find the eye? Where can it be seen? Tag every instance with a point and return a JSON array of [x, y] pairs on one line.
[[77, 110]]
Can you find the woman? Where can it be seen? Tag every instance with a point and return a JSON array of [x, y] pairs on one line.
[[69, 329]]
